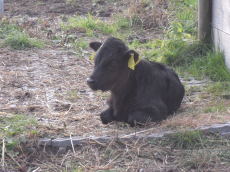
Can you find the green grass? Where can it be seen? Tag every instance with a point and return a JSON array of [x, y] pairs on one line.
[[220, 107], [211, 64], [6, 28], [72, 95], [107, 28], [90, 23], [80, 44], [14, 37], [83, 22], [179, 46], [187, 140], [69, 1], [199, 150], [198, 159], [195, 58], [20, 41], [122, 22], [16, 129], [218, 88], [187, 15], [195, 149]]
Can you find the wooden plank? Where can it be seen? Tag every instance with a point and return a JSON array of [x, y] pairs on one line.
[[221, 15], [222, 40], [204, 20]]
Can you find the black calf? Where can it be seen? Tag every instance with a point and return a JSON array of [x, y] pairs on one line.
[[141, 90]]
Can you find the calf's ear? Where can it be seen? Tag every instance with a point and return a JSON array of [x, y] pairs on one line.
[[128, 54], [95, 45]]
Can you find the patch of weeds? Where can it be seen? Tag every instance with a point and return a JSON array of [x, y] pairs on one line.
[[95, 1], [147, 14], [194, 89], [224, 155], [214, 151], [21, 40], [220, 107], [204, 65], [218, 88], [89, 32], [175, 46], [121, 35], [81, 22], [134, 45], [6, 28], [105, 94], [39, 3], [72, 95], [122, 22], [90, 23], [180, 47], [108, 153], [70, 1], [187, 139], [106, 28], [199, 158], [191, 4], [56, 37], [187, 15], [187, 76], [196, 57], [80, 43], [16, 129], [204, 96]]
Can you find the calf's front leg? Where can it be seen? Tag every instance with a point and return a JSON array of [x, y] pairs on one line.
[[107, 115]]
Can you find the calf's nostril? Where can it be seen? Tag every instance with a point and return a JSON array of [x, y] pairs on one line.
[[90, 81]]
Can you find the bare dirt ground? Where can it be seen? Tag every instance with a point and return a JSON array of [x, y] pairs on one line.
[[50, 83]]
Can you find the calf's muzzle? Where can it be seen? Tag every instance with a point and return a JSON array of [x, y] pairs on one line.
[[91, 82]]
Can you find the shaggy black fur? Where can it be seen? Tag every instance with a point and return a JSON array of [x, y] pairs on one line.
[[151, 92]]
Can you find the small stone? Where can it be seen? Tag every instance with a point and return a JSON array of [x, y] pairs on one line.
[[141, 170], [31, 150]]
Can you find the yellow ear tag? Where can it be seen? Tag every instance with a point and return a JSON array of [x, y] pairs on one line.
[[131, 62], [92, 57]]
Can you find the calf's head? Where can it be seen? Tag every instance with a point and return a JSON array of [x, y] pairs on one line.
[[111, 64]]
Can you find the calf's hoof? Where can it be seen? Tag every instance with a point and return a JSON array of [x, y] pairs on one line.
[[107, 116]]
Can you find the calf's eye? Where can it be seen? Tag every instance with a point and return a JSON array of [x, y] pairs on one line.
[[112, 65]]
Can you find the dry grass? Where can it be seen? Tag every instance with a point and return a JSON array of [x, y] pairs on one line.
[[132, 155], [148, 14], [50, 85]]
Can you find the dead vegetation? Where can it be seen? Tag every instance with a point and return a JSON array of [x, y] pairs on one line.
[[208, 154], [147, 14]]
